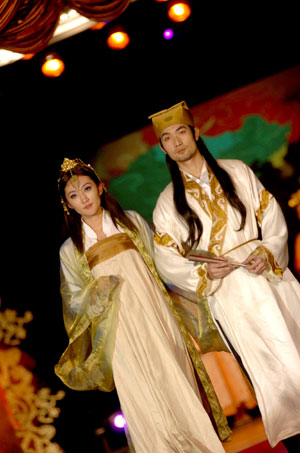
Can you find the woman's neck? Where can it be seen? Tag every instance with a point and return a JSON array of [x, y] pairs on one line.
[[96, 222]]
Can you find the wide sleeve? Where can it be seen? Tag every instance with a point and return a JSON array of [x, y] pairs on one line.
[[169, 255], [274, 234], [90, 308], [78, 290]]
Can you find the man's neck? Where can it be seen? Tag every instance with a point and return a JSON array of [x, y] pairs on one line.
[[193, 166]]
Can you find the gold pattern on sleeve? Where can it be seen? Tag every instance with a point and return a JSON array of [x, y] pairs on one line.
[[264, 200], [166, 240], [272, 264]]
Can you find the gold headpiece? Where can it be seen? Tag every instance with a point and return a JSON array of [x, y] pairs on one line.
[[68, 164], [177, 114]]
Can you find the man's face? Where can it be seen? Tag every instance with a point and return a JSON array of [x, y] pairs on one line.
[[179, 142]]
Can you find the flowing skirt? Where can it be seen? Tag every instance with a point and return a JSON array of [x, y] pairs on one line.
[[152, 370]]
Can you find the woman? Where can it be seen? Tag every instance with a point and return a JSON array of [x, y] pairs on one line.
[[122, 331]]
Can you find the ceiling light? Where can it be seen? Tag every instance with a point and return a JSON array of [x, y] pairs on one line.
[[179, 11], [52, 66], [118, 39]]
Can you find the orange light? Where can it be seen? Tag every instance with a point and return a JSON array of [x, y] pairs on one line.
[[28, 56], [98, 26], [179, 12], [297, 253], [53, 66], [118, 40]]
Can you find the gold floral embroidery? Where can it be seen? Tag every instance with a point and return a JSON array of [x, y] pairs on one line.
[[265, 199], [166, 240]]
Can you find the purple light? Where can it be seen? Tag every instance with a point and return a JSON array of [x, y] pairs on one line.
[[117, 421], [168, 33]]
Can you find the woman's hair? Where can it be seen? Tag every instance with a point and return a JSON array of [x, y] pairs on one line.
[[108, 202], [194, 223]]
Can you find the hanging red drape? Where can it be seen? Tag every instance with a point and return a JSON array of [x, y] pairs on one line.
[[99, 10], [26, 26]]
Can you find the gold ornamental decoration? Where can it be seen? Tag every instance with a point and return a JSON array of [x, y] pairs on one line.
[[31, 411]]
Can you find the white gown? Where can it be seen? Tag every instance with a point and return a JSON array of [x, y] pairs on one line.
[[152, 371], [151, 367], [260, 315]]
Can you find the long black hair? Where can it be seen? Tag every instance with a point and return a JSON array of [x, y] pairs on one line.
[[194, 223], [108, 202]]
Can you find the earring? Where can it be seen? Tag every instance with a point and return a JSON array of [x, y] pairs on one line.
[[65, 206]]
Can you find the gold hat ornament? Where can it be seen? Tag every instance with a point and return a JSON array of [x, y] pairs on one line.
[[69, 164], [177, 114]]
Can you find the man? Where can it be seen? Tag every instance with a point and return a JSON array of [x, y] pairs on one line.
[[246, 296]]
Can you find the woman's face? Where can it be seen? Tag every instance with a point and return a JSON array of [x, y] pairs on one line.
[[83, 195]]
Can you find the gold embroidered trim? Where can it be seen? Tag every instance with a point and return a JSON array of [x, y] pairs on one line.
[[202, 284], [216, 209], [272, 263], [265, 199], [166, 240]]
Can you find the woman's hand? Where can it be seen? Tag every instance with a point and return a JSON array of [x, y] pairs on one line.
[[220, 269], [256, 264]]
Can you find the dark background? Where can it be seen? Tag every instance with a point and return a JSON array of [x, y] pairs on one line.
[[101, 96]]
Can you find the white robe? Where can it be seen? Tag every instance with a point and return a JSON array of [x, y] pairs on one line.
[[260, 315], [152, 370]]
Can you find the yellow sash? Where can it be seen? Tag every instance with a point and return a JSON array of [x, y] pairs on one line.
[[108, 247]]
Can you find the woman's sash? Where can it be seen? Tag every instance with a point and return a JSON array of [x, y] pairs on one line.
[[109, 247]]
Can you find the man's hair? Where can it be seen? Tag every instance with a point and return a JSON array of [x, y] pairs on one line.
[[194, 223]]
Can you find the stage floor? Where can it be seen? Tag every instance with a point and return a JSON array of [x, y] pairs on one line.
[[250, 434], [245, 436]]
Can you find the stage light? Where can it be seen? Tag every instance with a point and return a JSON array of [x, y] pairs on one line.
[[53, 66], [117, 421], [118, 39], [98, 25], [168, 33], [179, 12], [28, 56]]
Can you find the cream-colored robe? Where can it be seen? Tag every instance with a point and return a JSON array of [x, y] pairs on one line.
[[260, 315], [123, 332]]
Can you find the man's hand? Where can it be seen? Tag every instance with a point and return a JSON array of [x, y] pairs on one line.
[[256, 264], [220, 269]]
